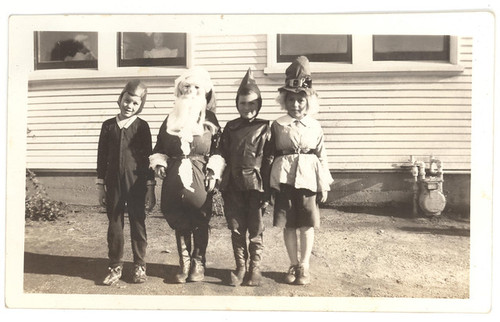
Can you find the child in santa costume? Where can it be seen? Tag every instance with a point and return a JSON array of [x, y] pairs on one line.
[[184, 158], [123, 178], [300, 171], [245, 146]]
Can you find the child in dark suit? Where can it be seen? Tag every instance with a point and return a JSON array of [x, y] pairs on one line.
[[245, 146], [125, 180]]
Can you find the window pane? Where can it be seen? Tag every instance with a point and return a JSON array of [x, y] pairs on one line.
[[317, 48], [409, 47], [65, 49], [152, 49]]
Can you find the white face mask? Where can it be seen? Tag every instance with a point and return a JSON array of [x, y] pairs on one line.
[[187, 116]]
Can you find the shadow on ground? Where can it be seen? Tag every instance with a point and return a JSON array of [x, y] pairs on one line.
[[93, 269]]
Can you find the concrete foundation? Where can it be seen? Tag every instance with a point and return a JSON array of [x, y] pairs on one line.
[[350, 189]]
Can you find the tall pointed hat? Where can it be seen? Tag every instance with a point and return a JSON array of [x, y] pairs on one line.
[[248, 84]]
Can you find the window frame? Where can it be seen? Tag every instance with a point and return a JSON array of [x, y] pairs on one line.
[[337, 57], [172, 62], [363, 63], [443, 56], [108, 63], [57, 65]]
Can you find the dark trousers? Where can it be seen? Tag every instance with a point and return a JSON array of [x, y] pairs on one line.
[[137, 216], [244, 214]]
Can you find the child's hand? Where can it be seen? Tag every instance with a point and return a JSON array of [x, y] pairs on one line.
[[160, 172], [264, 206], [210, 181], [101, 193], [322, 196], [150, 198]]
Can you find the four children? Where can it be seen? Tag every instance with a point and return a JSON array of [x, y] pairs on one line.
[[251, 158]]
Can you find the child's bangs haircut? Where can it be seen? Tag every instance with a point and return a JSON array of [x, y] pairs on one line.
[[135, 88], [312, 102]]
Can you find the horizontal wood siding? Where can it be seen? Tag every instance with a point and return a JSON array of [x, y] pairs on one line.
[[370, 122]]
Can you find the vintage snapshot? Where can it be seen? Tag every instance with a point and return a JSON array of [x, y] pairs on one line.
[[320, 162]]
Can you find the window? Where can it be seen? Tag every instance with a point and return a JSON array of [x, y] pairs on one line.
[[365, 54], [411, 48], [317, 48], [151, 49], [64, 49]]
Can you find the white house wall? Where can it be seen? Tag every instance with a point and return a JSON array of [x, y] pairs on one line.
[[371, 122]]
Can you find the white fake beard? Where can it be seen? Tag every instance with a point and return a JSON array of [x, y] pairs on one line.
[[187, 117]]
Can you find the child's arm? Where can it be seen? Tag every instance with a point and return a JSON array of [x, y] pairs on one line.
[[267, 161], [102, 164], [150, 197], [323, 158], [216, 162], [158, 158], [151, 183]]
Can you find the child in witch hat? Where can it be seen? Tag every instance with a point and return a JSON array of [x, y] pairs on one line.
[[245, 146], [123, 178], [300, 171]]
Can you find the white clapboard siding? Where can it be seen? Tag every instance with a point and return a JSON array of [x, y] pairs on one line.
[[371, 122]]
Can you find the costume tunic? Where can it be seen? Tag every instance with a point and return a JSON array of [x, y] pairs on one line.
[[123, 165], [186, 208], [299, 171], [301, 159], [246, 148]]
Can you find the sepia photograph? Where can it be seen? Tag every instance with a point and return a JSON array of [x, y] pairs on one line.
[[310, 162]]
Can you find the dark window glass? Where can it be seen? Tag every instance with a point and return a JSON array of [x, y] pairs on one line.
[[65, 49], [410, 47], [317, 48], [151, 49]]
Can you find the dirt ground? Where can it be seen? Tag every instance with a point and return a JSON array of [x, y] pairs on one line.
[[357, 253]]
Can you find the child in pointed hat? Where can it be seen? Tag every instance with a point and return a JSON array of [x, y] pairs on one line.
[[245, 146], [300, 173]]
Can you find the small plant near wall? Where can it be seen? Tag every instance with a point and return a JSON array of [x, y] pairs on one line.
[[39, 207]]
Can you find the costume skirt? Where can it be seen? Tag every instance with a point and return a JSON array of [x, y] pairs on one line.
[[295, 208]]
